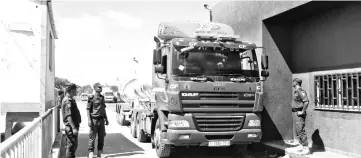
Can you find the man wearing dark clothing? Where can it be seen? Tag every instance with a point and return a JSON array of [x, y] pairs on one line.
[[71, 119], [299, 106], [97, 118]]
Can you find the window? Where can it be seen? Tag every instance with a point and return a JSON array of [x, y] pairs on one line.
[[50, 52], [215, 63], [338, 91]]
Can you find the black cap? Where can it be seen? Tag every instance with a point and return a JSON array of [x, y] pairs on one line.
[[70, 86], [97, 85], [297, 80]]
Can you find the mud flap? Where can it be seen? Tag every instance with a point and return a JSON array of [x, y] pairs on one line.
[[162, 120]]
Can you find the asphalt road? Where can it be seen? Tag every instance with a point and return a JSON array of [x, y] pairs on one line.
[[119, 142]]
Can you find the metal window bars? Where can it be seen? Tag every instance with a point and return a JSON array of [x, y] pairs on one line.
[[338, 91]]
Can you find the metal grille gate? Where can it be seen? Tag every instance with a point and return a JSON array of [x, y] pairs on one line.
[[338, 91]]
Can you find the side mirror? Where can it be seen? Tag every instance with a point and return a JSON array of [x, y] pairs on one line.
[[264, 60], [157, 56], [264, 73], [159, 69], [157, 41]]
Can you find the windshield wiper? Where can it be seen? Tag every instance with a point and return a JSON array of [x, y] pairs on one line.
[[238, 78], [198, 77]]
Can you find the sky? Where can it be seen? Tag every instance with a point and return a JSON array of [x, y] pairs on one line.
[[97, 40]]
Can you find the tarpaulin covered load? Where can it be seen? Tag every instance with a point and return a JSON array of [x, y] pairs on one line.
[[170, 30]]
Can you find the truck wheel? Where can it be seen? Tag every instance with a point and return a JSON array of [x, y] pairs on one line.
[[133, 128], [163, 150], [122, 120], [141, 135]]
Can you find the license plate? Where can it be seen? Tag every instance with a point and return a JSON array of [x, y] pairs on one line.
[[219, 143]]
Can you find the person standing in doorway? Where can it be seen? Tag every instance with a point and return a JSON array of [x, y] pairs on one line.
[[71, 119], [299, 107], [97, 119], [59, 101], [60, 97]]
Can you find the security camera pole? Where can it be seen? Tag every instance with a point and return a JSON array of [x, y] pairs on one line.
[[210, 11]]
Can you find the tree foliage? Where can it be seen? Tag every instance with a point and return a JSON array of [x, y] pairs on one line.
[[60, 83]]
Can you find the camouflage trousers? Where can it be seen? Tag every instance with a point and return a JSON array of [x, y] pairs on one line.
[[300, 128], [98, 128], [72, 141]]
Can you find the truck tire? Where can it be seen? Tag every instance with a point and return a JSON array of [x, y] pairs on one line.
[[133, 128], [162, 150], [141, 136], [122, 120]]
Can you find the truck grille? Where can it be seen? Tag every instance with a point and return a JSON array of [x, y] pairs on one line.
[[210, 122], [218, 96], [217, 105]]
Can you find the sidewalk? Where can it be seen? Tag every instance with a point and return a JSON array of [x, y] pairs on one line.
[[286, 149]]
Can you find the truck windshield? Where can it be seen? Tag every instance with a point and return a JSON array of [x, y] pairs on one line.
[[211, 63]]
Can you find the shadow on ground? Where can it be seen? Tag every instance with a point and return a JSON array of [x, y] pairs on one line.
[[205, 152], [318, 145], [115, 145]]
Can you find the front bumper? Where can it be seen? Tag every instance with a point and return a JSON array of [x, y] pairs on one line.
[[108, 99], [176, 135], [197, 138]]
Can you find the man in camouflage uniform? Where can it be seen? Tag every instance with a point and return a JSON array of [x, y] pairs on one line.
[[71, 119], [299, 107], [97, 117]]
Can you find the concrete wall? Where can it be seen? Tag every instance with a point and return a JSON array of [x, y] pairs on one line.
[[25, 30], [329, 41], [309, 39], [246, 17], [50, 64], [20, 52]]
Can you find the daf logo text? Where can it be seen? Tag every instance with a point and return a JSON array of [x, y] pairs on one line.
[[189, 94]]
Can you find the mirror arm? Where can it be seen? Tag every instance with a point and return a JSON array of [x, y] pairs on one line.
[[163, 78]]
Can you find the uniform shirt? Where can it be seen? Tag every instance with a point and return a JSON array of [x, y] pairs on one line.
[[70, 108], [96, 106], [299, 97]]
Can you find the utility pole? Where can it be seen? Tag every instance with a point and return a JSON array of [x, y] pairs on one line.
[[210, 11]]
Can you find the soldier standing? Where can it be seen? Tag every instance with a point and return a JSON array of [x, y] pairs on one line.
[[299, 107], [71, 119], [97, 117]]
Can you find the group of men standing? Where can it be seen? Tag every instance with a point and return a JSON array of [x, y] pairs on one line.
[[97, 119]]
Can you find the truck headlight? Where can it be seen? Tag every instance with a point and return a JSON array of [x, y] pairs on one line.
[[178, 123], [254, 123]]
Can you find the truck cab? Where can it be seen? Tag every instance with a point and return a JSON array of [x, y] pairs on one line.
[[206, 88]]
